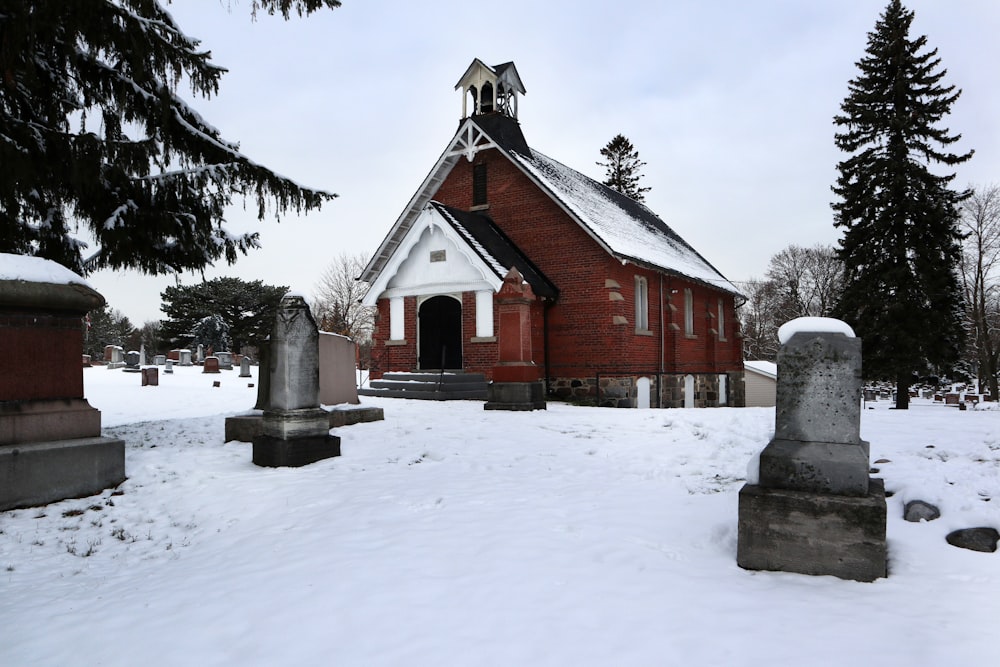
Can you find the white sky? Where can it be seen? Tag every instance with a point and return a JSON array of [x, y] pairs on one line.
[[729, 103]]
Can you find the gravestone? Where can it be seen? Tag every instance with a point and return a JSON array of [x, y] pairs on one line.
[[296, 429], [245, 367], [160, 359], [201, 354], [151, 377], [142, 354], [211, 365], [132, 361], [168, 366], [117, 356], [813, 508], [51, 446], [225, 360], [338, 378], [517, 381], [185, 358]]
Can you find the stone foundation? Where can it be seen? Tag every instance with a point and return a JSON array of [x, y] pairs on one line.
[[812, 533], [516, 396], [666, 390]]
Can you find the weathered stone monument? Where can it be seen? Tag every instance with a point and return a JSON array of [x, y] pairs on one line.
[[225, 360], [150, 376], [132, 361], [245, 367], [517, 381], [114, 356], [296, 428], [51, 446], [338, 381], [813, 508], [210, 364]]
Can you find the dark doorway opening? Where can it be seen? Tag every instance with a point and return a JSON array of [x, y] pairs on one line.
[[440, 333]]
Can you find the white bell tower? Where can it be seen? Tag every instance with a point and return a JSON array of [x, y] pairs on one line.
[[490, 89]]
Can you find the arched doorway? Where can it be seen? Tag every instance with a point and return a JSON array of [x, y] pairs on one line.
[[440, 333]]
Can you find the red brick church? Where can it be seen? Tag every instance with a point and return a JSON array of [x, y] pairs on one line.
[[624, 311]]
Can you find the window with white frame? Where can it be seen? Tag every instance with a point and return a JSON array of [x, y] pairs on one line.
[[688, 312], [641, 304]]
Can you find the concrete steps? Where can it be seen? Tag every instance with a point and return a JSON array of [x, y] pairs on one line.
[[430, 386]]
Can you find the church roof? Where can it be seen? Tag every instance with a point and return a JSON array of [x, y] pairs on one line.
[[625, 228], [493, 247]]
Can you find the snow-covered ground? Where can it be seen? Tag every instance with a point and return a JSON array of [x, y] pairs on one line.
[[450, 535]]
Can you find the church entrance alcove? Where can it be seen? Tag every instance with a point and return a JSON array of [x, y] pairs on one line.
[[440, 334]]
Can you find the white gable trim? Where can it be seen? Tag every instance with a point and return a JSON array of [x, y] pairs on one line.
[[456, 148], [429, 218]]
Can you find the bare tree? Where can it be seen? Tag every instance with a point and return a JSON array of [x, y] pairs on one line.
[[338, 299], [808, 280], [981, 278], [800, 282], [757, 319]]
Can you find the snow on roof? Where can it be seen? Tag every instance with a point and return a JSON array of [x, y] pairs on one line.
[[626, 227], [813, 325], [768, 368], [37, 270]]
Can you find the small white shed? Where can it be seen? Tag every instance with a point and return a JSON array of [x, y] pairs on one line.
[[761, 378]]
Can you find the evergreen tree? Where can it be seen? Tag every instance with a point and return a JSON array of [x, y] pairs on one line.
[[212, 333], [106, 326], [623, 165], [901, 242], [247, 308], [96, 140]]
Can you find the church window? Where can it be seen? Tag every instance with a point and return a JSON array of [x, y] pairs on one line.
[[641, 304], [722, 320], [479, 185], [688, 312]]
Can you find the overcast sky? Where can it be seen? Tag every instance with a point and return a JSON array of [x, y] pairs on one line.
[[730, 104]]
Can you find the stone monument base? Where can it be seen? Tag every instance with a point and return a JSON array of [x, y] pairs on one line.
[[813, 533], [515, 396], [272, 452], [244, 428], [821, 467], [38, 473]]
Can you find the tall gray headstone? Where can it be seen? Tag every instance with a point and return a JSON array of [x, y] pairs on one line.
[[813, 508], [245, 367], [296, 428]]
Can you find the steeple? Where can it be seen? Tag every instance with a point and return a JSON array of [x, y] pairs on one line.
[[490, 89]]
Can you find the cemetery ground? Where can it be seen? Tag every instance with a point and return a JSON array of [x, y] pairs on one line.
[[451, 535]]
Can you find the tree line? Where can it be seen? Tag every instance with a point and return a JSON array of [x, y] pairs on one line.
[[232, 314], [809, 282]]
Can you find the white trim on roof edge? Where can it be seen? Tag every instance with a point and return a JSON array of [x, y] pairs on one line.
[[430, 218]]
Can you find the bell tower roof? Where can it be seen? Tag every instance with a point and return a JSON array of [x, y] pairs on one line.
[[491, 89]]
